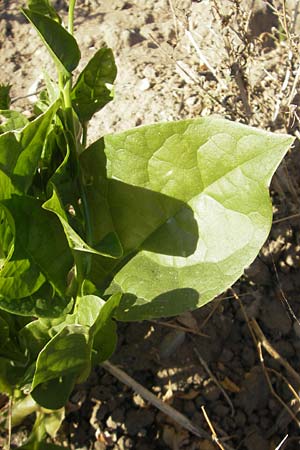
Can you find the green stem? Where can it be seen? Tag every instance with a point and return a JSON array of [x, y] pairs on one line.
[[84, 134], [71, 16]]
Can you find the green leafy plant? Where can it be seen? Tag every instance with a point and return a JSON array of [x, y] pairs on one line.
[[142, 224]]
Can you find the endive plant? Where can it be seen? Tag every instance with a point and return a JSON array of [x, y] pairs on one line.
[[142, 224]]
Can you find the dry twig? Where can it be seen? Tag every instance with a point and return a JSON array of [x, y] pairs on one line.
[[261, 341], [213, 433], [272, 390], [151, 398], [271, 350], [179, 327], [159, 404], [214, 379]]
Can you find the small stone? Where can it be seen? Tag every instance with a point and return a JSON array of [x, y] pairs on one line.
[[111, 423], [149, 72], [255, 440], [226, 355], [296, 328], [259, 273], [139, 401], [240, 419], [221, 410], [189, 407], [143, 85], [249, 357], [125, 443], [254, 392], [170, 343], [138, 419], [285, 349], [275, 317], [211, 392]]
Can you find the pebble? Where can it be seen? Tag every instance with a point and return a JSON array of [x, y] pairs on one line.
[[124, 443], [249, 357], [143, 85], [170, 343], [226, 355], [138, 419], [256, 441], [221, 410], [254, 392], [240, 419], [285, 348], [211, 392], [259, 273], [296, 328], [275, 317]]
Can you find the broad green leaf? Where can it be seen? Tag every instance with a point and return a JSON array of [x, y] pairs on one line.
[[62, 46], [104, 330], [19, 278], [220, 171], [104, 236], [43, 7], [23, 408], [75, 241], [20, 151], [93, 88], [131, 214], [10, 374], [35, 228], [43, 302], [14, 120], [68, 353]]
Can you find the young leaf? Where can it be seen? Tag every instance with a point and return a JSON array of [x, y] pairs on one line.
[[67, 354], [21, 151], [41, 303], [35, 228], [4, 96], [92, 90], [104, 330], [43, 7], [62, 46], [14, 120], [76, 243], [219, 169]]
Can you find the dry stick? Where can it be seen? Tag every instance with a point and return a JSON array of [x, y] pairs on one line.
[[290, 309], [291, 388], [214, 379], [274, 393], [21, 97], [179, 327], [151, 398], [282, 442], [262, 341], [283, 219], [271, 350], [215, 306], [204, 60], [213, 433], [294, 87], [159, 404], [186, 71]]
